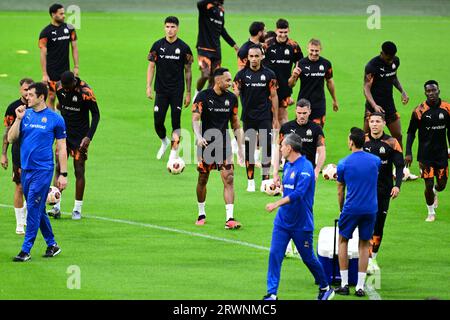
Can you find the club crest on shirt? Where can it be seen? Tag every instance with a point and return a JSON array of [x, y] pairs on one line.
[[382, 150], [309, 132], [44, 119], [286, 52], [66, 30], [394, 66], [74, 99], [263, 77], [292, 175], [227, 103], [441, 116], [177, 51], [321, 68]]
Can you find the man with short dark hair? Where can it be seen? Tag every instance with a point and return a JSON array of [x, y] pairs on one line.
[[10, 116], [357, 172], [171, 59], [281, 54], [257, 32], [379, 80], [294, 219], [76, 101], [212, 110], [432, 119], [54, 46], [37, 128]]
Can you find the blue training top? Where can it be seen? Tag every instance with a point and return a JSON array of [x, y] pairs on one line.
[[359, 172], [38, 131], [298, 184]]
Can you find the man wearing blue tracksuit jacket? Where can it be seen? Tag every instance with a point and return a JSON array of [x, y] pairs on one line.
[[294, 219], [37, 128]]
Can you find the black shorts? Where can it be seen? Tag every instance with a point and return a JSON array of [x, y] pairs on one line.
[[428, 171], [208, 60], [391, 115], [214, 157], [74, 151]]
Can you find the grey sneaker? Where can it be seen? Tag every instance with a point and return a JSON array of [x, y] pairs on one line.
[[54, 212], [76, 215], [52, 251]]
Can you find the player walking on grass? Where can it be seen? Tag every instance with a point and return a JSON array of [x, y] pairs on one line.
[[379, 80], [212, 110], [432, 119], [54, 43], [211, 26], [171, 59], [37, 128], [280, 56], [294, 219], [357, 172], [257, 87], [10, 116], [76, 101], [389, 151], [313, 71]]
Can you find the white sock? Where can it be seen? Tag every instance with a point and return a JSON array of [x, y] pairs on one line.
[[77, 206], [361, 281], [165, 141], [58, 205], [201, 209], [374, 255], [19, 218], [229, 210], [344, 278], [431, 209], [173, 154]]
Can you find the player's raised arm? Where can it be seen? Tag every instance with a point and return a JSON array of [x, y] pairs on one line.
[[14, 132]]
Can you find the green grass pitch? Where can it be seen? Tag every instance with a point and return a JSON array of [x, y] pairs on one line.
[[138, 239]]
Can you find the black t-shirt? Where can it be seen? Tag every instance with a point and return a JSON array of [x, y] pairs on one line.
[[312, 81], [389, 151], [216, 111], [211, 25], [255, 89], [243, 52], [383, 83], [433, 123], [57, 40], [10, 117], [281, 57], [170, 59], [75, 107], [311, 134]]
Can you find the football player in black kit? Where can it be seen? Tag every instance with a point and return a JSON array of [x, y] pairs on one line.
[[379, 80], [257, 32], [20, 207], [313, 71], [257, 87], [76, 101], [432, 119], [212, 110], [281, 54], [172, 59], [211, 26], [54, 43], [390, 152]]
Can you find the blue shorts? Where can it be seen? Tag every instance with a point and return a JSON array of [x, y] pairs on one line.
[[365, 223]]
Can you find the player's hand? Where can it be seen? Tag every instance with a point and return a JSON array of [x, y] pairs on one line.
[[405, 98], [45, 79], [394, 192], [4, 161], [84, 145], [276, 179], [187, 99], [20, 112], [150, 93], [76, 71], [61, 183], [296, 72], [271, 206], [290, 101], [201, 142], [377, 108], [408, 160], [316, 172], [335, 106], [236, 48]]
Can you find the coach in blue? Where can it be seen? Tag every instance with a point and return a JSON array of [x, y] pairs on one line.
[[37, 128], [357, 172], [294, 219]]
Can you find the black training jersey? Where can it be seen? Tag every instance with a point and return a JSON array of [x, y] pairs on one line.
[[255, 87], [433, 123], [75, 107], [57, 40], [10, 117], [311, 134], [389, 151], [312, 81], [243, 52], [383, 82], [280, 57], [211, 25], [170, 59], [216, 111]]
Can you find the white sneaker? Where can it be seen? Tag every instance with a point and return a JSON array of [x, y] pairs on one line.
[[164, 144], [431, 217], [264, 183], [251, 186], [20, 229]]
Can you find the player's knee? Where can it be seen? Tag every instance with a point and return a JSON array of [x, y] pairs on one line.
[[229, 179], [79, 171], [441, 184], [202, 179]]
